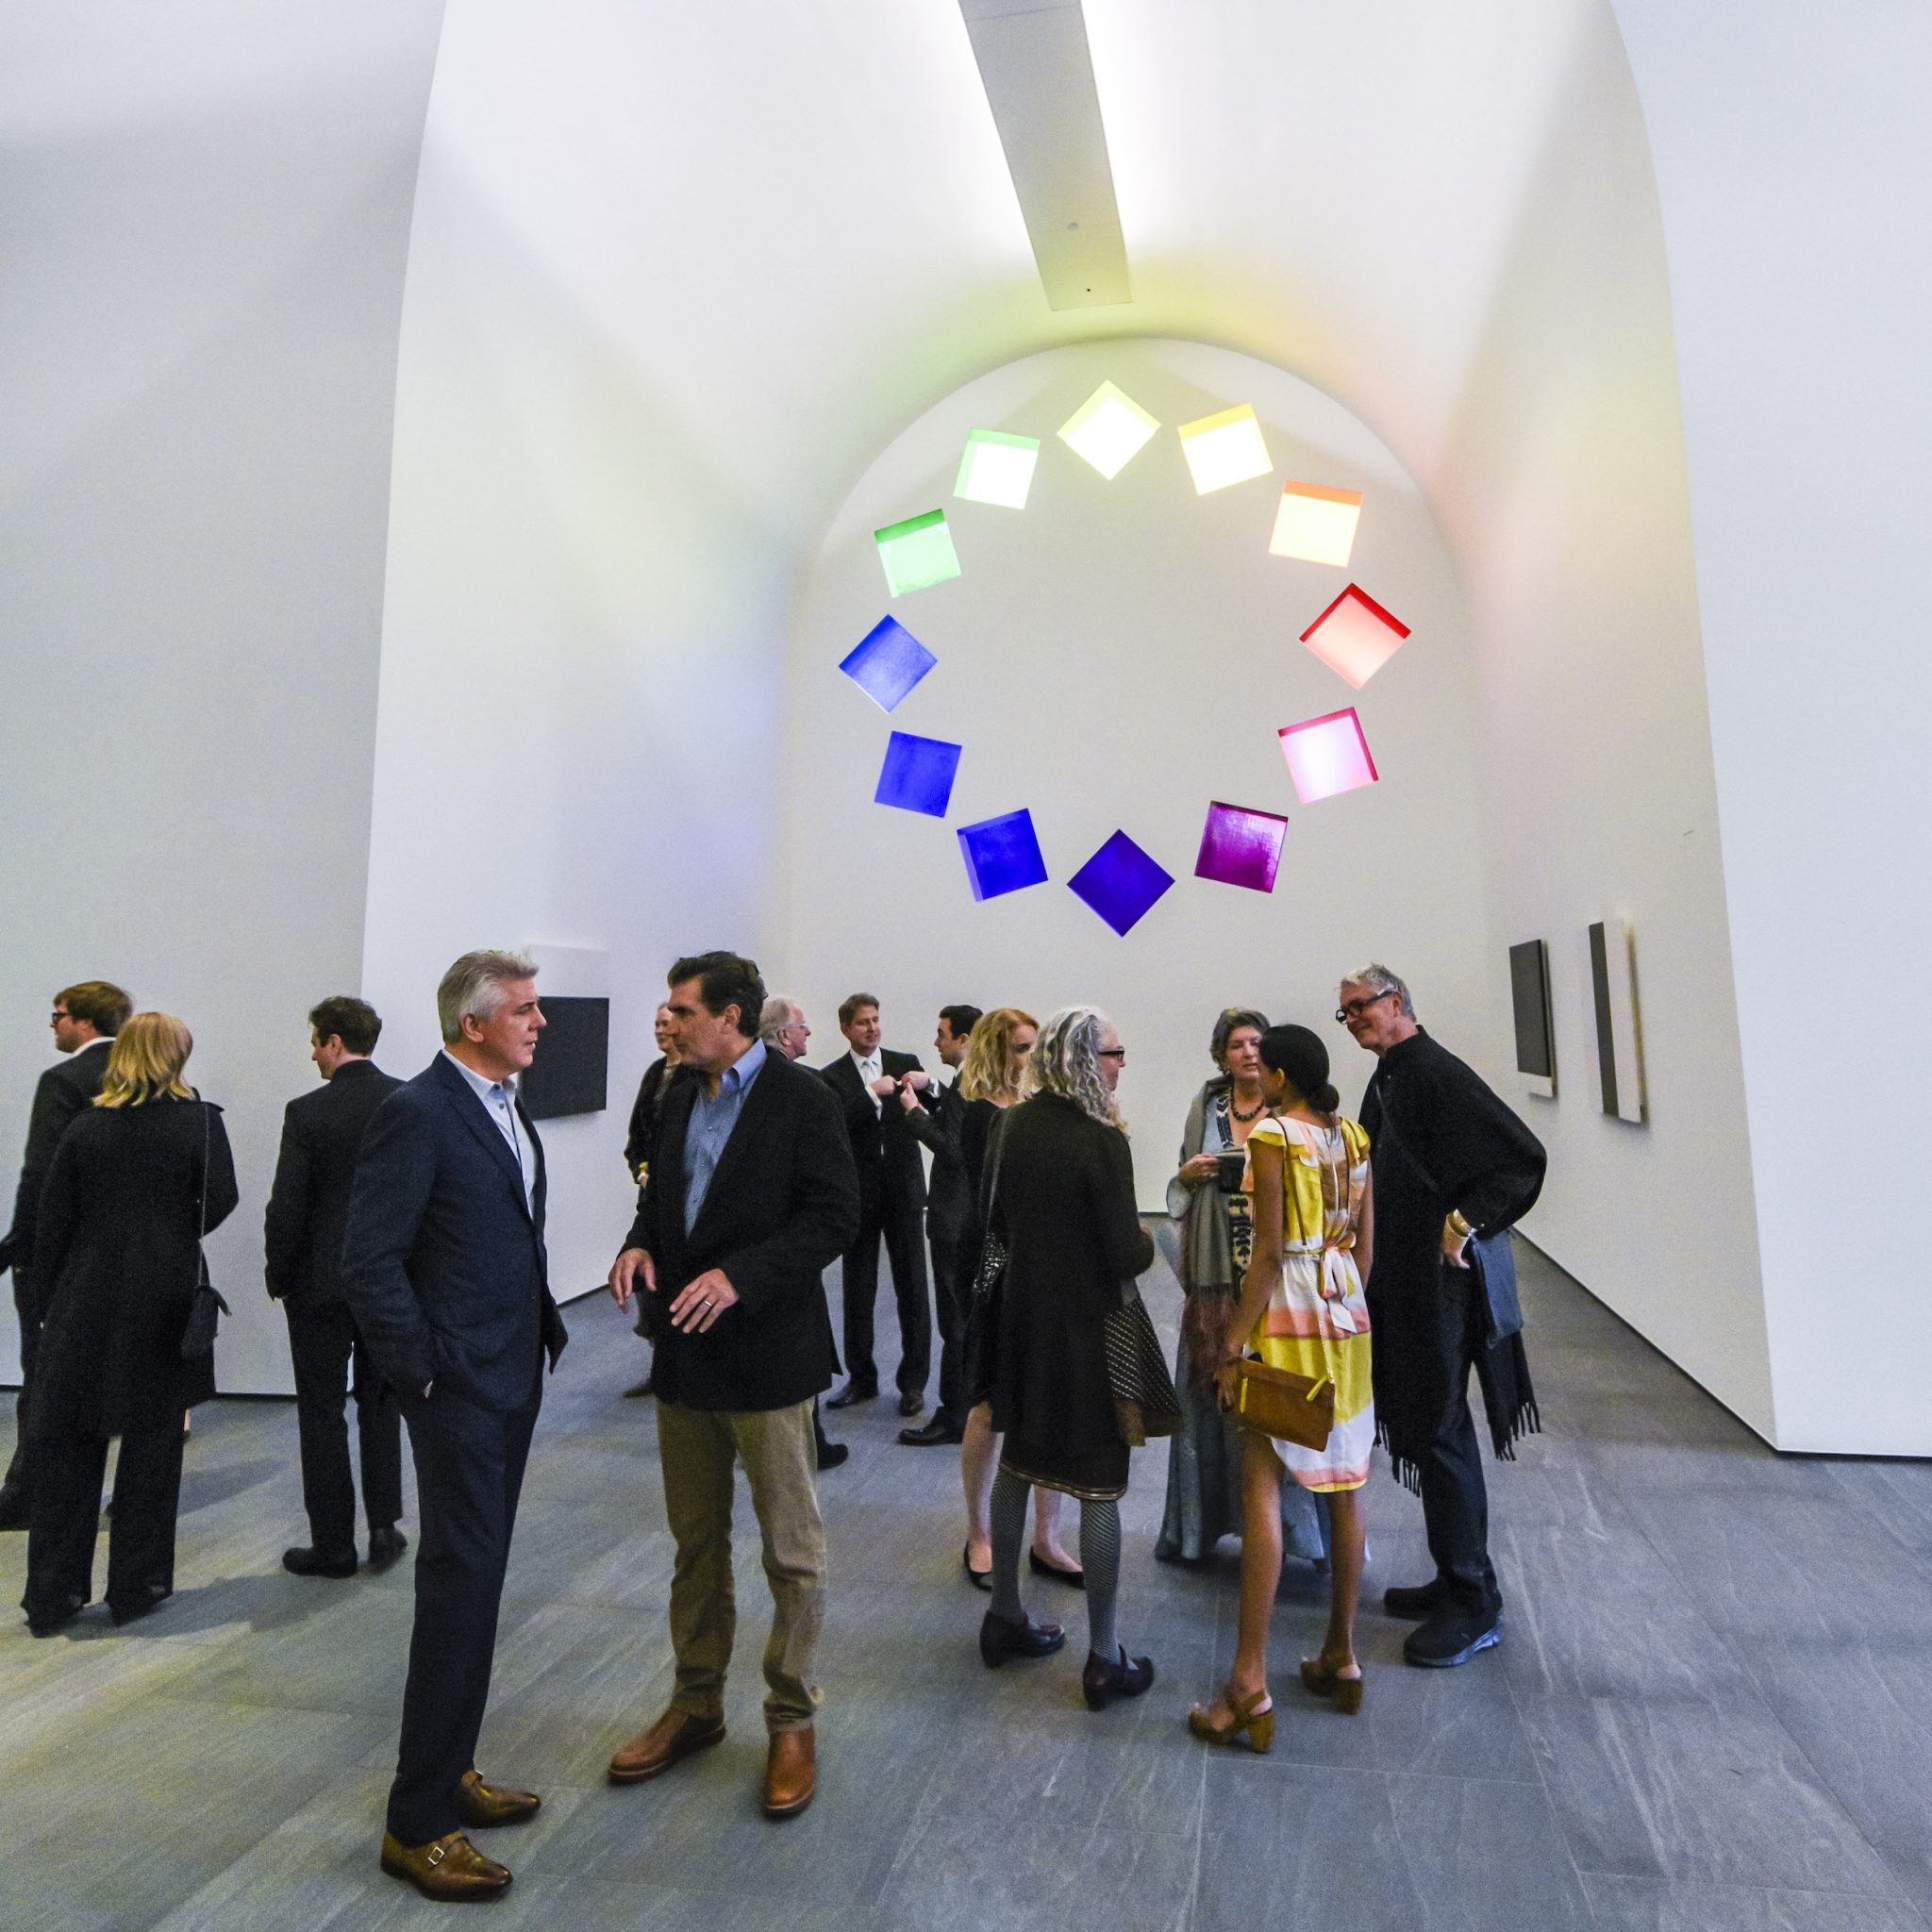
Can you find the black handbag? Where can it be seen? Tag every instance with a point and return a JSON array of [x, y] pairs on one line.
[[1144, 1400], [205, 1310], [990, 1277]]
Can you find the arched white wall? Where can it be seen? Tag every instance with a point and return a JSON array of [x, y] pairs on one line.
[[1116, 656]]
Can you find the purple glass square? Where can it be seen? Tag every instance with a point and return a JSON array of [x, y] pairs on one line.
[[887, 663], [1121, 882], [918, 773], [1002, 855], [1239, 847]]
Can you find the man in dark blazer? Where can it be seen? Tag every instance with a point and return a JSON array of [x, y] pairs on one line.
[[86, 1019], [445, 1268], [934, 1113], [322, 1134], [891, 1202], [750, 1196]]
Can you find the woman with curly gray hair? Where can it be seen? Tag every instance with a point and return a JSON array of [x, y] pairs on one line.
[[1062, 1196]]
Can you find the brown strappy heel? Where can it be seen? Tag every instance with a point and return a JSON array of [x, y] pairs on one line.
[[1325, 1680], [1254, 1718]]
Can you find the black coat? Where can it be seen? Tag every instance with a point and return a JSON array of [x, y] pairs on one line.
[[1064, 1201], [442, 1259], [65, 1089], [118, 1245], [781, 1206], [647, 1115], [884, 1149], [936, 1123], [1440, 1139], [309, 1205]]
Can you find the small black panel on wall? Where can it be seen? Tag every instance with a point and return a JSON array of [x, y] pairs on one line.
[[573, 1062], [1529, 996]]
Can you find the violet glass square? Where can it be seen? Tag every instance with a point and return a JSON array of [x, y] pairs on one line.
[[1002, 855], [1241, 847], [887, 663], [1121, 882], [918, 773]]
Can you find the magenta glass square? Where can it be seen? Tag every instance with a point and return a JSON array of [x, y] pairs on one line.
[[1241, 847], [1002, 855], [918, 774], [887, 663], [1327, 756], [1121, 882]]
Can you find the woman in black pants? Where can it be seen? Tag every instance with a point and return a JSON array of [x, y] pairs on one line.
[[1064, 1202], [133, 1185]]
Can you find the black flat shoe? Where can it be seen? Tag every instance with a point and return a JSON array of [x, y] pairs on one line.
[[304, 1561], [385, 1546], [149, 1599], [830, 1455], [1451, 1638], [911, 1403], [979, 1579], [48, 1624], [853, 1391], [1415, 1600], [1040, 1567], [1000, 1640], [929, 1435], [1101, 1682]]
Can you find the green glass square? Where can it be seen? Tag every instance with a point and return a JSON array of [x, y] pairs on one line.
[[917, 554]]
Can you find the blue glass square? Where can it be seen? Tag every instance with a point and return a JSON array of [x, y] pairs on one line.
[[1002, 855], [887, 663], [1121, 882], [918, 773]]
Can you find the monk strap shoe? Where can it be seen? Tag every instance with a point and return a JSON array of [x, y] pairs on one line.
[[449, 1868], [481, 1807]]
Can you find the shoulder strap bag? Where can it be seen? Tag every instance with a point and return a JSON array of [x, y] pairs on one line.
[[205, 1310]]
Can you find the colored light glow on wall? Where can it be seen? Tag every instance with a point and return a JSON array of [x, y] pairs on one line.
[[1121, 882], [917, 554], [1241, 847], [1355, 637], [918, 774], [997, 467], [887, 663], [1225, 449], [1316, 526], [1002, 855], [1327, 756], [1109, 429]]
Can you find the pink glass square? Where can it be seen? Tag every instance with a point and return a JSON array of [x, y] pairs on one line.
[[1239, 847], [1327, 756], [1355, 637]]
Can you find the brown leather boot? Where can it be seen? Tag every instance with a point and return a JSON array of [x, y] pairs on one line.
[[789, 1773], [450, 1869], [480, 1805], [672, 1738]]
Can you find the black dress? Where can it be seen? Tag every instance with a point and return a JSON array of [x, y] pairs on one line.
[[119, 1237], [1065, 1205]]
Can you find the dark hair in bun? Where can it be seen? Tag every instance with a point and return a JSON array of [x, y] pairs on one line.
[[1300, 1057]]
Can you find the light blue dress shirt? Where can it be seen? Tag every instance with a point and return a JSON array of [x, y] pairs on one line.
[[712, 1117], [499, 1103]]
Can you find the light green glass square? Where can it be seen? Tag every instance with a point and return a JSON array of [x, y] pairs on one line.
[[997, 467], [917, 554]]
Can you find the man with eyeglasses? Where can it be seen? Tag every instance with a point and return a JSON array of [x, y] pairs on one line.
[[86, 1019], [1454, 1170]]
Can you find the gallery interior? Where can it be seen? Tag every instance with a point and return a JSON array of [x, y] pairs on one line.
[[1019, 502]]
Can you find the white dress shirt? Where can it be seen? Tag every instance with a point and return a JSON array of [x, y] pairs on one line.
[[869, 1071], [499, 1102]]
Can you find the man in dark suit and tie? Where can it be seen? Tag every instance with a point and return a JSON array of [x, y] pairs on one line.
[[86, 1019], [750, 1196], [322, 1134], [934, 1113], [891, 1202], [444, 1265]]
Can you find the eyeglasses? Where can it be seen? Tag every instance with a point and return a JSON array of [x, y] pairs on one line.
[[1356, 1008], [60, 1013], [1112, 1053]]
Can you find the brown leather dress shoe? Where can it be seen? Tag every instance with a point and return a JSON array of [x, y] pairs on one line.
[[480, 1805], [450, 1869], [676, 1736], [789, 1773]]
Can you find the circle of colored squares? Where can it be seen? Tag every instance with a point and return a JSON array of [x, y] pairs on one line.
[[1240, 845]]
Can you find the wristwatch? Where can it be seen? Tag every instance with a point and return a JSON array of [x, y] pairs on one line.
[[1458, 1225]]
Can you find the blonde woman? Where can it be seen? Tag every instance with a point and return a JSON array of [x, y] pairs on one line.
[[134, 1184], [990, 1078]]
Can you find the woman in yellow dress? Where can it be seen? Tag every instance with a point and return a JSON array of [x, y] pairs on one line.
[[1301, 1308]]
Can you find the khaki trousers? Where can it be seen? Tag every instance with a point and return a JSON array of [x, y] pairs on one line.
[[696, 1449]]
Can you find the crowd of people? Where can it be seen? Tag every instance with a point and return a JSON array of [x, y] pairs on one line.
[[1342, 1278]]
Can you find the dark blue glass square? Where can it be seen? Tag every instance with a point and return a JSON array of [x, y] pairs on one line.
[[918, 773], [1002, 855], [887, 663], [1121, 882]]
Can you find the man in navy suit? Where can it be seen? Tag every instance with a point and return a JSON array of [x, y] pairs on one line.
[[444, 1266]]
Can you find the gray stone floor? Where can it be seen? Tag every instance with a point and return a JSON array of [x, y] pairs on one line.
[[1712, 1713]]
